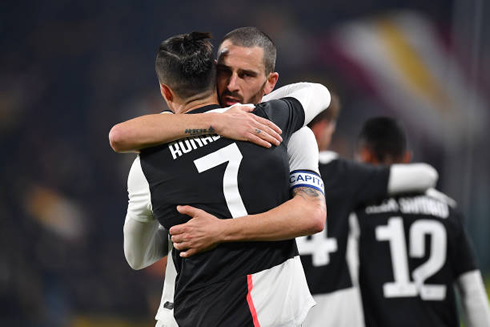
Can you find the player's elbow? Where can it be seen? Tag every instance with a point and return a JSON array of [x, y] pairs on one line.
[[116, 138], [431, 174], [325, 95], [134, 261], [132, 252]]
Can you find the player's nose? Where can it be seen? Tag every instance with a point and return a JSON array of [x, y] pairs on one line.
[[233, 83]]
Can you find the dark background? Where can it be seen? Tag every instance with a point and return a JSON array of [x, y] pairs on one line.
[[71, 70]]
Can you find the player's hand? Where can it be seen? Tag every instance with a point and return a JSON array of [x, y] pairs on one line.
[[238, 123], [199, 234]]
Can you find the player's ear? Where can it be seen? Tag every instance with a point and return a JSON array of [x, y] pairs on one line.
[[166, 92], [271, 82]]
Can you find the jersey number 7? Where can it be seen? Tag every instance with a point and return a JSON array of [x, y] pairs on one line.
[[231, 154]]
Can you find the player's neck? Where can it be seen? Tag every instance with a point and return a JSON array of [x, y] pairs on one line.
[[196, 102]]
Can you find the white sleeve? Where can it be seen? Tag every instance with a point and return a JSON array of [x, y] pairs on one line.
[[303, 160], [145, 241], [313, 97], [474, 299], [411, 178], [303, 151]]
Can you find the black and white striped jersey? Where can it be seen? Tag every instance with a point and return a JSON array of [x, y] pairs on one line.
[[324, 255], [243, 283], [412, 250]]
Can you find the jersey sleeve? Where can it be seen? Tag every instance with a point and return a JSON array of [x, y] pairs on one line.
[[139, 204], [303, 161], [367, 183], [303, 151], [313, 97], [145, 241], [474, 299], [416, 177], [463, 258], [287, 114]]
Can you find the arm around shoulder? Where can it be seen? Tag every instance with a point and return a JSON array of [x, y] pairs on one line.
[[314, 97], [417, 177], [304, 214], [150, 130]]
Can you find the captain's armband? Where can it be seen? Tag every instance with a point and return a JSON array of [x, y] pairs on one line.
[[306, 178]]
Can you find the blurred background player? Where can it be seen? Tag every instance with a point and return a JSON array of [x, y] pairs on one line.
[[325, 255], [413, 249]]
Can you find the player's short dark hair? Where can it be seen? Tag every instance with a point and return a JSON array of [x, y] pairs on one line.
[[385, 138], [250, 37], [186, 64], [331, 114]]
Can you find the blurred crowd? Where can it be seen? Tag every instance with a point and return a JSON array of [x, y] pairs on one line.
[[69, 71]]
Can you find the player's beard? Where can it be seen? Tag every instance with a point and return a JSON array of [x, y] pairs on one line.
[[254, 98], [257, 97]]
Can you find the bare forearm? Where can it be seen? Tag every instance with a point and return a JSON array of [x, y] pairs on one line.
[[150, 130], [305, 214]]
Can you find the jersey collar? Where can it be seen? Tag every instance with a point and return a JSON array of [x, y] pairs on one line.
[[204, 109]]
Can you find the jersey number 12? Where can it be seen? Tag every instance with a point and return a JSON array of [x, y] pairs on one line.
[[394, 233]]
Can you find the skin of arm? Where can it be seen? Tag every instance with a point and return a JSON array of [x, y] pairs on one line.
[[304, 214], [236, 123]]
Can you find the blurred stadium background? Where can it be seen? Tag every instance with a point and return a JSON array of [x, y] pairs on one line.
[[70, 70]]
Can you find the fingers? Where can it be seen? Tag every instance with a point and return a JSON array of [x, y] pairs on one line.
[[269, 124], [177, 239], [265, 137], [187, 210], [185, 248], [246, 108], [257, 140], [175, 230], [185, 251], [188, 253], [267, 133]]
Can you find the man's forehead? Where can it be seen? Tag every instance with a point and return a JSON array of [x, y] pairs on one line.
[[230, 54]]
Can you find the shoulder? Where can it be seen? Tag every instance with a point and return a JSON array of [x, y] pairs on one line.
[[272, 106]]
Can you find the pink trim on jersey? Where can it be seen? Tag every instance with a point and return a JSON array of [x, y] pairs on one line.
[[250, 301]]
